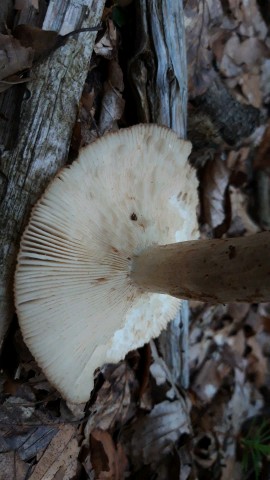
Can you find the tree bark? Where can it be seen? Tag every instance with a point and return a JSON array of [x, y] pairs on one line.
[[158, 74], [45, 129], [158, 70]]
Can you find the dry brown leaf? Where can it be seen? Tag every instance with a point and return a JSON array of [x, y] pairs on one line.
[[23, 4], [85, 129], [227, 66], [232, 470], [88, 100], [23, 429], [215, 184], [206, 450], [153, 436], [253, 323], [264, 312], [106, 46], [241, 223], [43, 42], [11, 81], [158, 373], [218, 43], [262, 157], [60, 457], [210, 378], [241, 63], [115, 76], [108, 461], [200, 17], [249, 52], [238, 311], [237, 343], [113, 104], [257, 363], [12, 467], [114, 400], [237, 163], [265, 80], [14, 58], [252, 23]]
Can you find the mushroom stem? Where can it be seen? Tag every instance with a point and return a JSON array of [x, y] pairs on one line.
[[215, 271]]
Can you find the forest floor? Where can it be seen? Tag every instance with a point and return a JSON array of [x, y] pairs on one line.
[[139, 424]]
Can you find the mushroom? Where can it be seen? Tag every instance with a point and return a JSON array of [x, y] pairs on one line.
[[110, 244]]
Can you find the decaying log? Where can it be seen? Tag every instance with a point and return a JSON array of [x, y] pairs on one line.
[[158, 73], [47, 119]]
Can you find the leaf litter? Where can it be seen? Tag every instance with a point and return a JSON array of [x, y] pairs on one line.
[[139, 423]]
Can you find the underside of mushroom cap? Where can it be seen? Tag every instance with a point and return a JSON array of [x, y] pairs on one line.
[[76, 305]]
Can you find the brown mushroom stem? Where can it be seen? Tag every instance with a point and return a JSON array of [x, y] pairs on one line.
[[216, 271]]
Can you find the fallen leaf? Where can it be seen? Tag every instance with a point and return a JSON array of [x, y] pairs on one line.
[[265, 80], [264, 311], [60, 457], [106, 46], [153, 436], [238, 311], [227, 66], [12, 467], [206, 450], [237, 163], [23, 4], [43, 42], [113, 404], [113, 104], [115, 75], [215, 183], [209, 378], [257, 363], [23, 429], [241, 222], [14, 58], [262, 156], [108, 461], [218, 44], [11, 81], [253, 323], [250, 52], [252, 23], [231, 469], [200, 17], [158, 373]]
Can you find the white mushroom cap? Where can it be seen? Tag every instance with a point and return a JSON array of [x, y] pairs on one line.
[[75, 302]]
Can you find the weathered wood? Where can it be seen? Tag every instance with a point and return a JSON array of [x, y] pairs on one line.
[[47, 119], [158, 73]]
